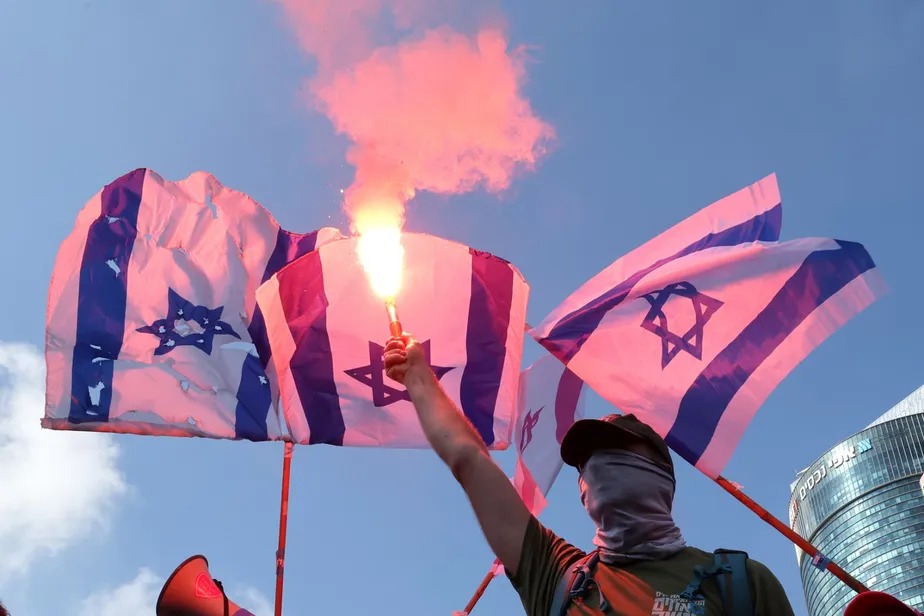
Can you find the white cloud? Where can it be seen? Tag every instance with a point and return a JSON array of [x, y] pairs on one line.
[[135, 597], [57, 487], [251, 599]]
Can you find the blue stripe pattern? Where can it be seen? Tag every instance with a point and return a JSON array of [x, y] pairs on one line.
[[566, 400], [254, 400], [571, 332], [822, 274], [254, 397], [102, 298], [486, 340], [305, 305]]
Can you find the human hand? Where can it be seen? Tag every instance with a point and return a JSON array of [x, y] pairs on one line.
[[403, 355]]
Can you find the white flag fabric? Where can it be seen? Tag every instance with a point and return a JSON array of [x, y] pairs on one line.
[[695, 345], [152, 326], [551, 399], [327, 332]]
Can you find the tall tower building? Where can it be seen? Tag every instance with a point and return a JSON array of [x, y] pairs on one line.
[[862, 504]]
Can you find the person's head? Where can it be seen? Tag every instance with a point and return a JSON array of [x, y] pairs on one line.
[[3, 610], [626, 478], [588, 438]]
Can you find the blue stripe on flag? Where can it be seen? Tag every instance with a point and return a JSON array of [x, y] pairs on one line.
[[253, 396], [821, 275], [571, 332], [486, 340], [102, 298], [254, 399], [289, 247], [312, 365], [257, 331], [566, 401]]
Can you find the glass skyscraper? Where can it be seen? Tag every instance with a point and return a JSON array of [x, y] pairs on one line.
[[862, 504]]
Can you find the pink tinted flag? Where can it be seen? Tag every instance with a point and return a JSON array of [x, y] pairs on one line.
[[696, 345], [550, 401], [327, 331], [152, 325], [752, 214]]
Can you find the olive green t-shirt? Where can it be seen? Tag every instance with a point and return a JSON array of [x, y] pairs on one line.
[[646, 588]]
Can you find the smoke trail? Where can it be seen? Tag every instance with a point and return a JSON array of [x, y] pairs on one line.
[[437, 111]]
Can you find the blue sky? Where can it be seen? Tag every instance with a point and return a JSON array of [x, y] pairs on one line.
[[659, 110]]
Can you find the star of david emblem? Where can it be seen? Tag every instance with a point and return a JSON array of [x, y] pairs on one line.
[[187, 324], [526, 432], [373, 375], [672, 343]]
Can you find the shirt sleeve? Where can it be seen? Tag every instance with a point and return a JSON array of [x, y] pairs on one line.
[[769, 597], [545, 557]]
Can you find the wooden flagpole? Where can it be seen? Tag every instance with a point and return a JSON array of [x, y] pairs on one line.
[[283, 524]]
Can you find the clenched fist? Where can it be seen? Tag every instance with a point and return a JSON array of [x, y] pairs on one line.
[[403, 355]]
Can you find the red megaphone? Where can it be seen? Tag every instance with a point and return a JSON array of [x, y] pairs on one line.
[[191, 591]]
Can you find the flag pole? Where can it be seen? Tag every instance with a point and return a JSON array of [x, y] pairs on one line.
[[818, 559], [283, 524], [481, 588]]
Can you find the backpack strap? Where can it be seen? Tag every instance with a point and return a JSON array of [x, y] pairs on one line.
[[575, 583], [735, 585], [693, 590]]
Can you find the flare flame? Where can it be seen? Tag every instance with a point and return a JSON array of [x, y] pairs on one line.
[[381, 254]]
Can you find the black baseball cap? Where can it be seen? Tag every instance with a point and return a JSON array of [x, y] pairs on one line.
[[611, 432]]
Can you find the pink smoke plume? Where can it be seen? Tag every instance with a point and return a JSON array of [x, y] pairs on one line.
[[438, 111]]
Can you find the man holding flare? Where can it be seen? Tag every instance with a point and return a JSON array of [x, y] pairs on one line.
[[626, 480]]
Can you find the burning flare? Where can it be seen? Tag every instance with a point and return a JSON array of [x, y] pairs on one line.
[[382, 256]]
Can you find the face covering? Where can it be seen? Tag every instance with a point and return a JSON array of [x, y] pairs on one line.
[[629, 499]]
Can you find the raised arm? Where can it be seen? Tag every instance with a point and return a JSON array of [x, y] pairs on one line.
[[500, 511]]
